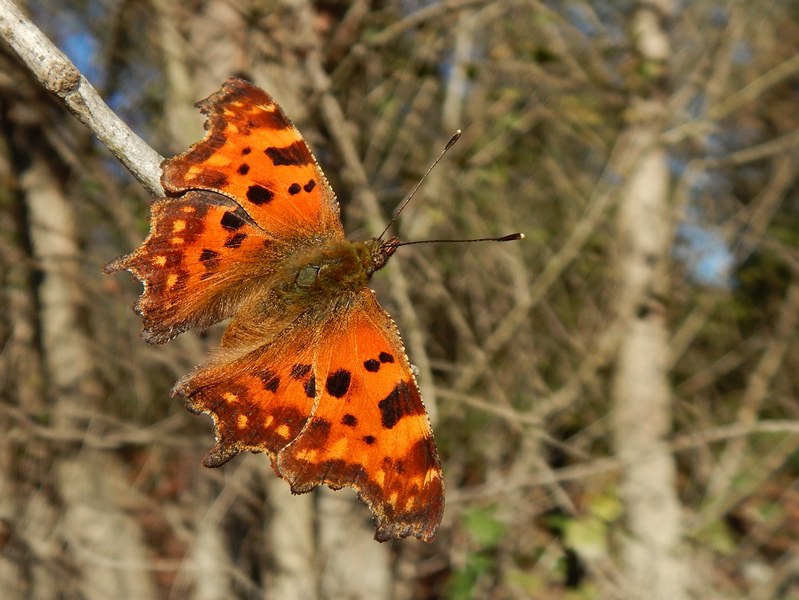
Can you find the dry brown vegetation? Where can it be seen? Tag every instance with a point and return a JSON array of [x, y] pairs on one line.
[[617, 413]]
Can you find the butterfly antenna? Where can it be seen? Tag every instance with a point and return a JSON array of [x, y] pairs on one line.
[[503, 238], [455, 137]]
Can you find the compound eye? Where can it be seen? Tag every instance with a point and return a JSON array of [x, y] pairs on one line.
[[307, 276]]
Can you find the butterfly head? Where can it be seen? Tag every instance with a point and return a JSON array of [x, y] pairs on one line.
[[380, 251]]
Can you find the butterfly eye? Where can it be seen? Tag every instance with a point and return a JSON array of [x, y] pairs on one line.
[[307, 276]]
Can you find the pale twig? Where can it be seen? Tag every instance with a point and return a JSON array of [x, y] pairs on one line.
[[162, 433], [760, 468], [734, 101], [61, 77], [755, 88], [785, 144], [419, 17]]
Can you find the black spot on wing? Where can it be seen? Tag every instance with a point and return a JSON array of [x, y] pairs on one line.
[[230, 220], [243, 169], [235, 240], [369, 439], [293, 154], [349, 420], [300, 370], [258, 194], [371, 365], [385, 357], [294, 189], [309, 186], [338, 383], [310, 387], [271, 380], [398, 404], [210, 259]]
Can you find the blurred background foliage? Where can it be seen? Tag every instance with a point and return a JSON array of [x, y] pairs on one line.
[[536, 358]]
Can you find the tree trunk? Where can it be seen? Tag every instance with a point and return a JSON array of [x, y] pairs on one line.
[[102, 540], [642, 416]]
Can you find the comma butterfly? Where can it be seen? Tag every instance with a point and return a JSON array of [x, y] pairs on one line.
[[311, 370]]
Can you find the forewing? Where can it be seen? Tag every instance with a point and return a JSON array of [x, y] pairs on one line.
[[253, 154], [197, 263]]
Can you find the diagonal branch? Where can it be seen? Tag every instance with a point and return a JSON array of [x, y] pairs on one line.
[[61, 77]]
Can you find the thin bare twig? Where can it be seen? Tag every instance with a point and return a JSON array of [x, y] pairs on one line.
[[757, 391], [61, 77], [501, 487]]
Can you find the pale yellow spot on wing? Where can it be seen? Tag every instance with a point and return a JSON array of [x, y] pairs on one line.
[[283, 431], [230, 397], [232, 129], [308, 455], [409, 426], [269, 420], [217, 160], [171, 280], [339, 449], [160, 260], [241, 421], [284, 137], [267, 107], [409, 504], [177, 241], [178, 226], [188, 209], [392, 499], [380, 478], [431, 475]]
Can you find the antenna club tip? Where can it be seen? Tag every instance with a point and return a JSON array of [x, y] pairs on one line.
[[512, 237], [455, 137]]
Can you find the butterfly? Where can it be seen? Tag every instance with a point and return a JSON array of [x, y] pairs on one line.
[[310, 370]]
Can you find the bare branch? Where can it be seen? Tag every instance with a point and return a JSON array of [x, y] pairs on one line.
[[61, 77]]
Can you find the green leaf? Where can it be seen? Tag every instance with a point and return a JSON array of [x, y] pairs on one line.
[[588, 537], [483, 527]]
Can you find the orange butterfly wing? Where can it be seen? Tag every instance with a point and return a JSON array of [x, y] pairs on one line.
[[205, 252], [200, 257], [259, 401], [369, 430], [312, 373], [254, 155], [332, 402]]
